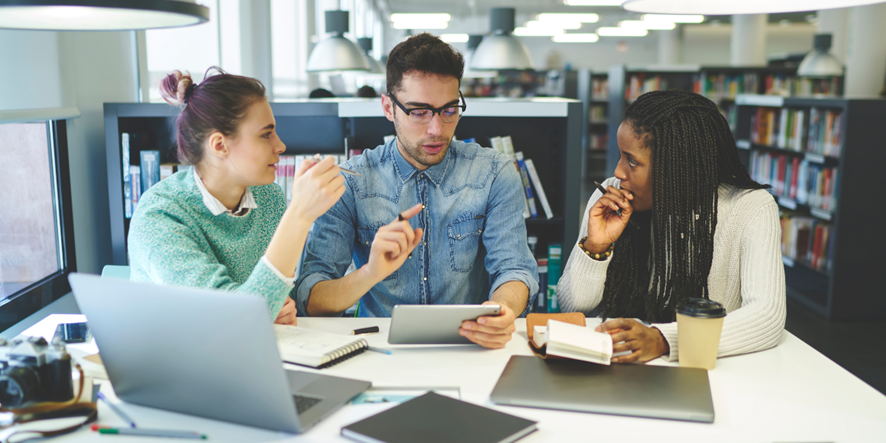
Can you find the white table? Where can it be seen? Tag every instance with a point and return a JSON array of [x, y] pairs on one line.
[[790, 393]]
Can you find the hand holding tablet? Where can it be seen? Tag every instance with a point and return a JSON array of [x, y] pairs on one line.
[[435, 324]]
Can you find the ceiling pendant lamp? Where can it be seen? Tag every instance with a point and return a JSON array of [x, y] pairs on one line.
[[820, 62], [500, 49], [375, 66], [337, 53], [730, 7], [100, 15]]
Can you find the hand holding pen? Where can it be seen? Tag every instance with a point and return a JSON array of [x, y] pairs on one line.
[[608, 217], [393, 245]]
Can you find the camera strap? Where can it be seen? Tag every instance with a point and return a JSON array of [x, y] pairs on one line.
[[50, 410]]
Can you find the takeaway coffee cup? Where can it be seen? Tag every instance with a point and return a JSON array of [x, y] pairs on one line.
[[699, 323]]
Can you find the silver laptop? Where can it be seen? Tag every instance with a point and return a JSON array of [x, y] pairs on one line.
[[202, 352], [635, 390]]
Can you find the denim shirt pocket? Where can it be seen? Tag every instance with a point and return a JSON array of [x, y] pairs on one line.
[[365, 236], [464, 241]]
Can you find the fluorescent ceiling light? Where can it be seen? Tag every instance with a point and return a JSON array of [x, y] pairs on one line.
[[673, 18], [575, 38], [593, 2], [454, 38], [569, 17], [535, 24], [645, 24], [539, 32], [621, 32], [421, 17], [729, 7], [417, 24], [99, 15]]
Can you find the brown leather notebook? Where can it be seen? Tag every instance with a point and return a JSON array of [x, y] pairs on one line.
[[533, 320]]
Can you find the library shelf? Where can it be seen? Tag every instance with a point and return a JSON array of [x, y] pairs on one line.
[[845, 278]]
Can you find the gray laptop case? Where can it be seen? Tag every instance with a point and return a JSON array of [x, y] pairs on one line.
[[636, 390], [202, 352]]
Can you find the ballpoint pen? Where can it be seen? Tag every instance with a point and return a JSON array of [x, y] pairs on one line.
[[148, 432], [346, 171], [117, 410], [617, 211]]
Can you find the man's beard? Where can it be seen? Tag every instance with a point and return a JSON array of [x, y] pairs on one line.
[[417, 153]]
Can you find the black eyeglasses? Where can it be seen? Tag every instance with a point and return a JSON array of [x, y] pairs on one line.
[[421, 116]]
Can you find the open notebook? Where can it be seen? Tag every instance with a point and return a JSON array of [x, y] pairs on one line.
[[573, 341], [314, 348]]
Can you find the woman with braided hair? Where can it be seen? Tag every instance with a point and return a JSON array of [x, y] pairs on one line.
[[699, 227]]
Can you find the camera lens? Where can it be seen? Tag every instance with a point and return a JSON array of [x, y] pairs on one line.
[[17, 386]]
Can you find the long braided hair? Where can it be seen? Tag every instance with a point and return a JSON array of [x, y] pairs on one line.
[[693, 152]]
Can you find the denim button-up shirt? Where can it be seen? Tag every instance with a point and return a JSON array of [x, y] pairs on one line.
[[474, 233]]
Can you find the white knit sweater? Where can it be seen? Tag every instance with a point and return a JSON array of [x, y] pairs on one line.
[[747, 274]]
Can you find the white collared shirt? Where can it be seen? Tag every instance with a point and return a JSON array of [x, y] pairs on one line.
[[247, 202], [216, 207]]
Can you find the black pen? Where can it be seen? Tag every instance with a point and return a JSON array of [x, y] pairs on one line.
[[369, 330], [617, 211]]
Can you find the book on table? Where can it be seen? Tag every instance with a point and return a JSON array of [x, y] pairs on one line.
[[573, 341], [435, 418], [310, 347]]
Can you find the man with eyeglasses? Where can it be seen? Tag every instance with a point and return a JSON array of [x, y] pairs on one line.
[[429, 220]]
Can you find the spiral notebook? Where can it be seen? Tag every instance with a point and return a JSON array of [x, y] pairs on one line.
[[317, 349]]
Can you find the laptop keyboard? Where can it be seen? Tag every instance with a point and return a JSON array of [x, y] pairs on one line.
[[303, 403]]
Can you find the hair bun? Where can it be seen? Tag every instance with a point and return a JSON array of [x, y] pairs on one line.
[[177, 88]]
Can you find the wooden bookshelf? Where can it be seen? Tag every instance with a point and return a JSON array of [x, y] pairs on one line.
[[849, 284]]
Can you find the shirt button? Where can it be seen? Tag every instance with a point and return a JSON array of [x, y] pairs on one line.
[[479, 231], [425, 279], [367, 242], [457, 236], [410, 256], [424, 207], [424, 243]]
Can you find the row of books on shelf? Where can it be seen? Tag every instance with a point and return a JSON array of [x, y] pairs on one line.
[[138, 178], [597, 142], [290, 163], [719, 86], [797, 179], [638, 85], [528, 175], [549, 269], [600, 89], [807, 240], [597, 114], [814, 130], [793, 86]]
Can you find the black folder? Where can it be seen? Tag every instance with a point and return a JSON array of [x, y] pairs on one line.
[[433, 418]]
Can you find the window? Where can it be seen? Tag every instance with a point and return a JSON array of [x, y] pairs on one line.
[[36, 245], [191, 48]]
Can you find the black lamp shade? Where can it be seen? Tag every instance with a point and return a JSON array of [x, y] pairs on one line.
[[99, 15]]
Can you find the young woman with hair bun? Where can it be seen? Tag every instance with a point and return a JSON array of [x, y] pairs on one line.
[[223, 223]]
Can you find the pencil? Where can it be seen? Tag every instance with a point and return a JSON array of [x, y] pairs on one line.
[[617, 211]]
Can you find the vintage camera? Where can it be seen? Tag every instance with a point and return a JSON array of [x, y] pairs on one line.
[[33, 371]]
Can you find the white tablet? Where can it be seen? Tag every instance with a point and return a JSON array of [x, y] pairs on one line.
[[434, 324]]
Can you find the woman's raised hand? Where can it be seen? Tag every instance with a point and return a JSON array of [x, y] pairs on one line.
[[605, 225], [317, 185]]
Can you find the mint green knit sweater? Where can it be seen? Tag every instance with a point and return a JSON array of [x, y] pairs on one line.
[[175, 240]]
